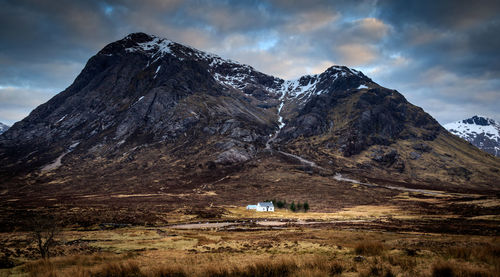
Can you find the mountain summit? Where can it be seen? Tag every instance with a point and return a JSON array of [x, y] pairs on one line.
[[482, 132], [150, 115]]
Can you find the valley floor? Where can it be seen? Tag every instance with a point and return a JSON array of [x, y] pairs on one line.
[[290, 251], [417, 235]]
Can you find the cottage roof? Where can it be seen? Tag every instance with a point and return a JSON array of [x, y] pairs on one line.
[[265, 204]]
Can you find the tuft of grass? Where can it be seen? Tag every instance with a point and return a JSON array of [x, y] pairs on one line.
[[324, 265], [443, 269], [41, 267], [450, 269], [406, 263], [336, 269], [485, 253], [369, 248], [270, 269], [377, 271], [123, 269], [167, 271]]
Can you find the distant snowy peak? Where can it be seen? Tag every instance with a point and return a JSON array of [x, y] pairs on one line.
[[3, 128], [481, 131], [474, 126]]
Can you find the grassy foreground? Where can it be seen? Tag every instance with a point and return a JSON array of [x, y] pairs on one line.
[[291, 251], [414, 235]]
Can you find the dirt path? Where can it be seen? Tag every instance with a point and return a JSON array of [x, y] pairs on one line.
[[263, 222], [339, 177], [300, 159], [206, 225]]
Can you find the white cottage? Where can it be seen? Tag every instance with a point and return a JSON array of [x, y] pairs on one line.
[[251, 207], [265, 207]]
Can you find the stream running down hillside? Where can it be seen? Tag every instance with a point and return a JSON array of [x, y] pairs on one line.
[[280, 121]]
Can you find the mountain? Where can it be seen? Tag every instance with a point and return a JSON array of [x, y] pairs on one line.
[[153, 117], [482, 132], [3, 128]]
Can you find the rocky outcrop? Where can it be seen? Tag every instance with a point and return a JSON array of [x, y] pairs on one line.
[[388, 158]]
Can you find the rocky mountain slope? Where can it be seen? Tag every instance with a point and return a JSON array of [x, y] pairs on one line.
[[480, 131], [148, 115], [3, 128]]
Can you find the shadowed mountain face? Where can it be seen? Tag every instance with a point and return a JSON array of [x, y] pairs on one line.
[[148, 115], [3, 128], [482, 132]]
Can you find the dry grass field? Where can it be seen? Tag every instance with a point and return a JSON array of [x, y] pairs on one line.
[[291, 251], [406, 233], [398, 239]]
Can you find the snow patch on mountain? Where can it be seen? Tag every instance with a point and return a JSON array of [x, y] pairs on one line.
[[160, 46], [62, 118], [236, 81], [156, 72], [298, 87]]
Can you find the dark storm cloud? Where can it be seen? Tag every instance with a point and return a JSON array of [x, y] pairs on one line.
[[460, 35], [438, 53], [452, 52]]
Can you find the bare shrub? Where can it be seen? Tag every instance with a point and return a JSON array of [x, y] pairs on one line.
[[43, 233]]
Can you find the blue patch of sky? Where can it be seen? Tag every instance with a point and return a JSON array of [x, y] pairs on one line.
[[267, 43], [107, 8]]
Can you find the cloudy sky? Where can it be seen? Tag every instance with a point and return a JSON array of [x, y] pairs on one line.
[[441, 55]]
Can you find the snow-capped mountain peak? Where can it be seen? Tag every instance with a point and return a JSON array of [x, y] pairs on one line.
[[157, 47], [481, 131], [232, 74], [308, 85]]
